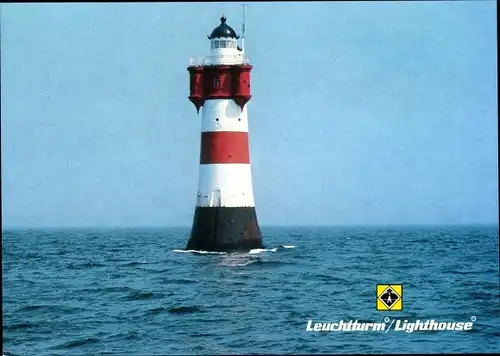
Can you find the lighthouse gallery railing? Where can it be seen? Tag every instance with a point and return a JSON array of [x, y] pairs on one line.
[[215, 60]]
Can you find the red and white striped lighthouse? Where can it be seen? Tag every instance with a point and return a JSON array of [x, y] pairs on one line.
[[225, 217]]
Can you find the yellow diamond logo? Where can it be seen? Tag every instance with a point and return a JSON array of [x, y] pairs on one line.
[[389, 297]]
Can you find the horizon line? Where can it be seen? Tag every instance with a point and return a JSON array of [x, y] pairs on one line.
[[18, 227]]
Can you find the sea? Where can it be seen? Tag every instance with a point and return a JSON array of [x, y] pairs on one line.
[[135, 291]]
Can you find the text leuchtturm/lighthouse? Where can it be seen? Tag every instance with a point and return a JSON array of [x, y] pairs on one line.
[[225, 217]]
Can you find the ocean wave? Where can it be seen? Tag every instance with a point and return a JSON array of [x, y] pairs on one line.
[[182, 281], [50, 308], [18, 326], [85, 265], [77, 343], [134, 264], [141, 295], [154, 311], [183, 310]]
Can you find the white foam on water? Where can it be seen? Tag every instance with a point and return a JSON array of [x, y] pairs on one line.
[[237, 262], [260, 250], [238, 259], [201, 252], [251, 252]]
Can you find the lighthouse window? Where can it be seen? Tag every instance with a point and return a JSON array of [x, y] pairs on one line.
[[216, 82], [223, 44]]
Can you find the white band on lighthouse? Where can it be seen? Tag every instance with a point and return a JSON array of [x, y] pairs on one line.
[[225, 185], [223, 115]]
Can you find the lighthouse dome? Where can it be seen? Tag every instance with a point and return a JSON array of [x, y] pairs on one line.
[[223, 30]]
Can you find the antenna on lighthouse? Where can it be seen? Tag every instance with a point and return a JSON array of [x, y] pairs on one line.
[[243, 31]]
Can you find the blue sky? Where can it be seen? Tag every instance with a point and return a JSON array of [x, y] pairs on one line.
[[362, 113]]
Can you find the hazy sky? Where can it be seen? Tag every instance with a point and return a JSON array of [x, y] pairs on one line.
[[362, 113]]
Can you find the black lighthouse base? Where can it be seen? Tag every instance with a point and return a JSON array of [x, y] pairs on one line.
[[225, 229]]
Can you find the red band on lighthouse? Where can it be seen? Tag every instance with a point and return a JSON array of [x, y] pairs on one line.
[[224, 147]]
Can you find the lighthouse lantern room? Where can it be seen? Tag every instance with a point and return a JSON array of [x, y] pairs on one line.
[[225, 217]]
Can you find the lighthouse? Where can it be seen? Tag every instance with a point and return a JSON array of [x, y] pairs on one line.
[[225, 217]]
